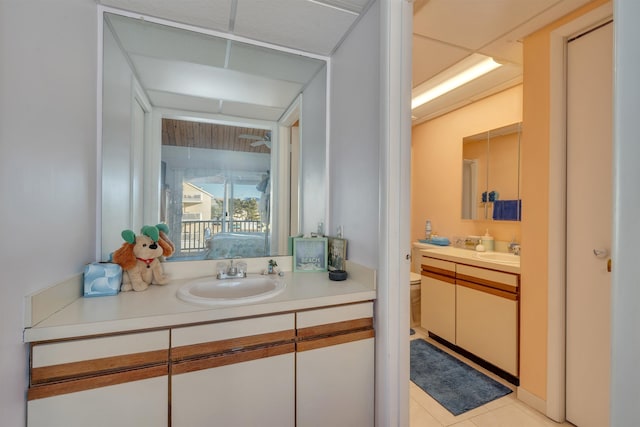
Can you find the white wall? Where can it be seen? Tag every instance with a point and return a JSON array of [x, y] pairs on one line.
[[626, 234], [355, 140], [312, 189], [116, 145], [47, 155]]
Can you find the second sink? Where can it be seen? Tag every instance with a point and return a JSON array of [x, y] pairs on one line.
[[500, 257]]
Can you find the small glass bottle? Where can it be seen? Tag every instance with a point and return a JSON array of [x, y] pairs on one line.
[[427, 230]]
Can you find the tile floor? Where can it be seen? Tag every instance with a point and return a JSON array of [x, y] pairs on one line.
[[506, 411]]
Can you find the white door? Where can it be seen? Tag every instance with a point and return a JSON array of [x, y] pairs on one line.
[[589, 204]]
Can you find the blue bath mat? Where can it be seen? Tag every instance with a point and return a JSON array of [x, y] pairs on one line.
[[454, 384]]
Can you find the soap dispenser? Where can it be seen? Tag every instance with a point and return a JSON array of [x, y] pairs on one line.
[[487, 241]]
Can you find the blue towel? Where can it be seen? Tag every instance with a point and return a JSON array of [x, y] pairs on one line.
[[507, 210], [440, 241]]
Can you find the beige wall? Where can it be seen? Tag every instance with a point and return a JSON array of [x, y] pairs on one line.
[[535, 221], [436, 167]]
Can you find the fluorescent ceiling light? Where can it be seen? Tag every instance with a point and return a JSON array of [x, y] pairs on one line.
[[463, 72]]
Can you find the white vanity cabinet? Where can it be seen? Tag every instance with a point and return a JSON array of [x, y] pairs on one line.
[[475, 310], [234, 373], [438, 298], [335, 366], [104, 381], [487, 315]]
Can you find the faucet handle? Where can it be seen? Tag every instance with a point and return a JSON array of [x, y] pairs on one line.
[[242, 268]]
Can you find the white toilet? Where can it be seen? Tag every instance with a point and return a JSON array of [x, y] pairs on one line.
[[414, 282]]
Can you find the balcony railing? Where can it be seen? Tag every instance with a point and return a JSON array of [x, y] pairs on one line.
[[194, 234]]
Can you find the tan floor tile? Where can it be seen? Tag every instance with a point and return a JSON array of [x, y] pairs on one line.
[[508, 416], [438, 411], [420, 417], [540, 416]]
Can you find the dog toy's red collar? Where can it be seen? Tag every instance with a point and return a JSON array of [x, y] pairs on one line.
[[146, 261]]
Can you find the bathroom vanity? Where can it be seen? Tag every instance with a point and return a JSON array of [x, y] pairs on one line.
[[470, 302], [149, 359]]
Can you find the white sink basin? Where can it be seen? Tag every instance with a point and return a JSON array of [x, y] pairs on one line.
[[212, 291], [500, 257]]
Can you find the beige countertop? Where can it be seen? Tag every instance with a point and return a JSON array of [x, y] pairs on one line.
[[158, 306], [477, 259]]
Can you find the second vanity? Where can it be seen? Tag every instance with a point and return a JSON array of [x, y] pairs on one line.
[[149, 359], [470, 302]]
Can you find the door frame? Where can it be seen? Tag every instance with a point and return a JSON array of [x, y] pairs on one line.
[[556, 256]]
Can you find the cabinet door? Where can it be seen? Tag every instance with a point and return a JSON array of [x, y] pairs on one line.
[[438, 306], [235, 373], [335, 366], [104, 381], [335, 385], [487, 325], [256, 393], [141, 403]]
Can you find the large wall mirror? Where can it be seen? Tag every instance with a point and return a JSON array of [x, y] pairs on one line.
[[197, 133], [491, 175]]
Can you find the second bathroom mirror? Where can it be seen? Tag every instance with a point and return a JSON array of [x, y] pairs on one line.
[[491, 174]]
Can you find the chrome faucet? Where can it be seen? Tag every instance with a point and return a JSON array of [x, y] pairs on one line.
[[232, 271], [514, 248]]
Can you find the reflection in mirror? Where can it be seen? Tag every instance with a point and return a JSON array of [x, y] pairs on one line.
[[491, 175], [196, 132], [216, 188]]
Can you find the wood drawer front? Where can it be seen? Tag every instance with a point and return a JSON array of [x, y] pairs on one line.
[[230, 358], [488, 277], [334, 326], [343, 313], [232, 345], [93, 382], [60, 361], [327, 341], [211, 332], [60, 352], [438, 266]]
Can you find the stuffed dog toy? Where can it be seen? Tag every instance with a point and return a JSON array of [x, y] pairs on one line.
[[140, 256]]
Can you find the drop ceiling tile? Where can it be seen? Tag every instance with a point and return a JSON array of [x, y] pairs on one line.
[[183, 102], [160, 41], [431, 57], [211, 82], [352, 5], [473, 23], [238, 109], [273, 64], [213, 14], [297, 24]]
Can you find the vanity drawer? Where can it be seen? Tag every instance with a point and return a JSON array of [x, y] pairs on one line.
[[438, 266], [225, 337], [496, 279], [57, 361], [334, 326]]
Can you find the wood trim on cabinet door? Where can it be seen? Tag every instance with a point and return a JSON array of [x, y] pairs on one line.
[[486, 289], [217, 360], [232, 344], [88, 383], [313, 344], [432, 275], [53, 373], [335, 328], [502, 286]]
